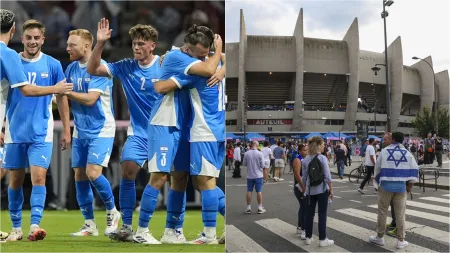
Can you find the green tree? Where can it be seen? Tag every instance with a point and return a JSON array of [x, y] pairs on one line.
[[425, 122]]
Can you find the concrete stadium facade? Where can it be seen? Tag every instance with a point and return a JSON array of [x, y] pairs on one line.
[[327, 74]]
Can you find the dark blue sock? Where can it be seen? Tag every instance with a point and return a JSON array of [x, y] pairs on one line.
[[176, 206], [127, 200], [37, 201], [222, 204], [103, 188], [210, 203], [148, 205], [85, 198], [15, 202]]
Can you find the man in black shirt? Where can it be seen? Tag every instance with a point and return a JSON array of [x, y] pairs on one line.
[[340, 158]]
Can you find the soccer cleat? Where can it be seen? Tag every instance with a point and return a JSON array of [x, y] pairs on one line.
[[15, 235], [145, 237], [222, 238], [173, 236], [36, 234], [124, 234], [392, 232], [3, 235], [86, 230], [112, 222], [202, 239]]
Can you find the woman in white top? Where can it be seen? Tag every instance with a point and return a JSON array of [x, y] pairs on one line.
[[267, 155]]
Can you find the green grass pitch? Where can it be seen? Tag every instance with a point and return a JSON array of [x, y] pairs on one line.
[[59, 224]]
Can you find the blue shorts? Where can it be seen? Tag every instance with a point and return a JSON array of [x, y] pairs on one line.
[[135, 150], [24, 155], [207, 158], [167, 146], [91, 151], [256, 183]]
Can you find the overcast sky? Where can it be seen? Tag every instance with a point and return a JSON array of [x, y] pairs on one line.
[[424, 26]]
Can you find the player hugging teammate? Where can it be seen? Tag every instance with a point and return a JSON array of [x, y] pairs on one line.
[[177, 124]]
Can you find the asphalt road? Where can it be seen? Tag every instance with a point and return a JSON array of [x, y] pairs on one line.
[[351, 219]]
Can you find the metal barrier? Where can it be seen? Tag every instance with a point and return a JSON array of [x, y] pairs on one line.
[[63, 174], [422, 178]]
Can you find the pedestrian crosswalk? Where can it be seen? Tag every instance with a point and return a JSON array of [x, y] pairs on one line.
[[426, 228]]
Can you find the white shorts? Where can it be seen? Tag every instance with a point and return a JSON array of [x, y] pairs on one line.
[[279, 163], [266, 164]]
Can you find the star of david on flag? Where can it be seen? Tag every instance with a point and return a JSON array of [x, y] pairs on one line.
[[391, 157]]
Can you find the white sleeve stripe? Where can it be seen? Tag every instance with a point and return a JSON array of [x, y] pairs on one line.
[[108, 70], [99, 90], [19, 84], [176, 81], [186, 70]]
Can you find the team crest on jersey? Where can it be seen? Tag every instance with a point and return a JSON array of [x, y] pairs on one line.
[[44, 75], [155, 80], [87, 79], [164, 149]]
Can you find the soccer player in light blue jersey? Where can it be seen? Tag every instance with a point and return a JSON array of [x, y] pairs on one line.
[[167, 135], [207, 129], [29, 123], [137, 77], [93, 134]]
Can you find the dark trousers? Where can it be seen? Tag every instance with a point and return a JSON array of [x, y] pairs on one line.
[[237, 169], [439, 157], [301, 209], [322, 202], [427, 157], [368, 176]]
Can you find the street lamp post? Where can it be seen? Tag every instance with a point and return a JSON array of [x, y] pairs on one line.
[[374, 108], [436, 93], [384, 15], [245, 98]]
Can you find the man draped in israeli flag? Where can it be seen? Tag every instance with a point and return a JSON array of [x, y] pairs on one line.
[[394, 168]]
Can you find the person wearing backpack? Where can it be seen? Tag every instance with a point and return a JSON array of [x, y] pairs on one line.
[[319, 190], [299, 190]]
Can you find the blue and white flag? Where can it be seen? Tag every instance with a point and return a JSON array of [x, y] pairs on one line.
[[395, 163]]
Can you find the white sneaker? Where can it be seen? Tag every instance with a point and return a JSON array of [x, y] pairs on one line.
[[298, 231], [36, 233], [173, 236], [303, 235], [376, 240], [276, 179], [86, 230], [280, 179], [309, 241], [326, 242], [112, 222], [361, 191], [202, 239], [145, 237], [248, 211], [15, 235], [124, 234], [401, 245], [261, 210]]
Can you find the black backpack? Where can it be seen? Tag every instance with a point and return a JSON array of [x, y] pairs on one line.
[[413, 148], [315, 172]]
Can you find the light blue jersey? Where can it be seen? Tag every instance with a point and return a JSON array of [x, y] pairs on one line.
[[11, 75], [138, 85], [96, 121], [30, 119], [173, 109]]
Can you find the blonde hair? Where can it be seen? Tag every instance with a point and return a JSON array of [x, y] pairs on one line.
[[145, 32], [314, 145], [84, 34], [33, 23]]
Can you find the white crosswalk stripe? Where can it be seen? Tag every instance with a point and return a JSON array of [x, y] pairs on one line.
[[446, 195], [441, 200], [237, 241], [423, 215], [428, 206], [287, 231], [432, 233]]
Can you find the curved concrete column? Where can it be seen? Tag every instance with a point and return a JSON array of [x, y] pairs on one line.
[[395, 59], [442, 80], [352, 40], [427, 86], [241, 73], [297, 121]]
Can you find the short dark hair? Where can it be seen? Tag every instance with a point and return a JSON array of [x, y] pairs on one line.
[[266, 143], [7, 19], [301, 146], [199, 34], [371, 140], [398, 137], [238, 144]]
